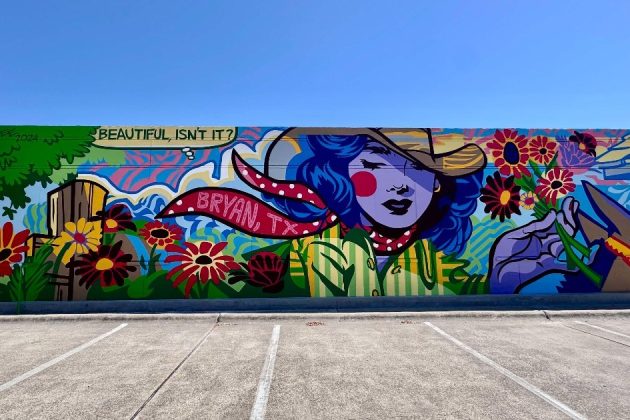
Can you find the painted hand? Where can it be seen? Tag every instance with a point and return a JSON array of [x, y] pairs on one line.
[[523, 255]]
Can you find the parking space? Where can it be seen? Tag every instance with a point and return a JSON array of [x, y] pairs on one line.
[[110, 379], [26, 345], [584, 371], [384, 370], [325, 367], [219, 380]]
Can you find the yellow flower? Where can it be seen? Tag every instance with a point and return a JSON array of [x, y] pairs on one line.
[[78, 238], [528, 200]]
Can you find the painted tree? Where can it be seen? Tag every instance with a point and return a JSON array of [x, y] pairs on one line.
[[30, 155]]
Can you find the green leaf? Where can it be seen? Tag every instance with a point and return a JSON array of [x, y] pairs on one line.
[[336, 291], [341, 269], [348, 275], [535, 168], [9, 212], [524, 183], [360, 238], [29, 279], [221, 290], [553, 163], [332, 248]]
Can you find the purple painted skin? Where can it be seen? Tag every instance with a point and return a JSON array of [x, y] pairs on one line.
[[522, 255], [402, 191]]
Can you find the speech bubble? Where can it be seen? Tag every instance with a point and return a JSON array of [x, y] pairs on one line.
[[145, 137]]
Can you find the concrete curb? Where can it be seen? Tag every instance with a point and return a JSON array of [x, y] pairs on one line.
[[314, 316], [591, 313], [577, 301]]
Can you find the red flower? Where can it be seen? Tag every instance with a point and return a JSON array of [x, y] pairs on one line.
[[108, 264], [161, 234], [12, 248], [585, 141], [116, 218], [203, 261], [266, 270], [502, 196], [542, 150], [510, 152], [554, 184]]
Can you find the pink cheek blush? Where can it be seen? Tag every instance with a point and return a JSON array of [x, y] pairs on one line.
[[364, 183]]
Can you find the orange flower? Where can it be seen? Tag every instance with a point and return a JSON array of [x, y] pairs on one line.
[[161, 234], [12, 248]]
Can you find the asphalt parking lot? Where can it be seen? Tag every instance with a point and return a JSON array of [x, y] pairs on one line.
[[316, 366]]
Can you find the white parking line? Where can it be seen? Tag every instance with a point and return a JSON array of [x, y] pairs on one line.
[[58, 359], [262, 395], [522, 382], [603, 329]]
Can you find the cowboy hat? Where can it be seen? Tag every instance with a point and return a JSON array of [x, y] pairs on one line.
[[414, 144]]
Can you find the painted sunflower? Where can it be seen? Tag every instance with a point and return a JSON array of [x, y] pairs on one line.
[[77, 238], [108, 264], [116, 218], [501, 196], [12, 248], [161, 234], [586, 142], [554, 184], [202, 261], [528, 200], [510, 152], [542, 149]]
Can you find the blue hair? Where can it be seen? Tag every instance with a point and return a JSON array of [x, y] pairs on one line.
[[323, 166], [452, 211]]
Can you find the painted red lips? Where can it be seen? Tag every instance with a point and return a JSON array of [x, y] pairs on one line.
[[398, 207]]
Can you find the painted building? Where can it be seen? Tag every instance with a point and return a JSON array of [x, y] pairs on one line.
[[211, 212]]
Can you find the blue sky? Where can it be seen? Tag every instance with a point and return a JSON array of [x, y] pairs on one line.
[[416, 63]]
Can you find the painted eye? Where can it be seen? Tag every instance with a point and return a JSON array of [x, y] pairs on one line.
[[371, 165]]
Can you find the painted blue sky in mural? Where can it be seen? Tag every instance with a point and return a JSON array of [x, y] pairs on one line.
[[350, 63]]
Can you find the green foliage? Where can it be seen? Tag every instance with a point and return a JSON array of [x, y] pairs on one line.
[[31, 154], [5, 296], [29, 279], [213, 291], [475, 285], [150, 286], [342, 279]]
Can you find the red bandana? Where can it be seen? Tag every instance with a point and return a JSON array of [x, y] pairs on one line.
[[253, 216]]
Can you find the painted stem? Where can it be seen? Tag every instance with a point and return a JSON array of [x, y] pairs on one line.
[[151, 267], [568, 242], [63, 251]]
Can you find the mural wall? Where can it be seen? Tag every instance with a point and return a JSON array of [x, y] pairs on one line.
[[215, 212]]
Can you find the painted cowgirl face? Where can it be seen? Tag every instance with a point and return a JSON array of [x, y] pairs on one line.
[[391, 190]]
